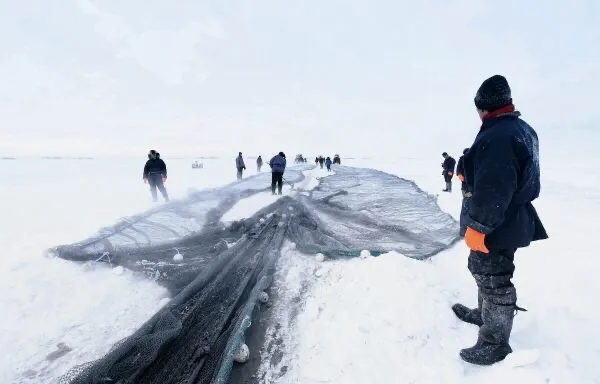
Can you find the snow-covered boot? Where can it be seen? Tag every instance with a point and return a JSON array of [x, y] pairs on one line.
[[492, 344], [468, 315]]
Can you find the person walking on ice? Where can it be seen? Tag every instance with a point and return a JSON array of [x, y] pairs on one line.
[[240, 165], [448, 171], [502, 172], [277, 164], [259, 163], [155, 174], [328, 163]]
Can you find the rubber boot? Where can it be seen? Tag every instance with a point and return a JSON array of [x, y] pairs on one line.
[[468, 315], [492, 344]]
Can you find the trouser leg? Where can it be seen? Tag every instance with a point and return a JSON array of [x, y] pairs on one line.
[[273, 181], [493, 273], [153, 191], [279, 182], [163, 190]]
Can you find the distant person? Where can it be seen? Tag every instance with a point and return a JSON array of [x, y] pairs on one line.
[[448, 171], [259, 163], [460, 171], [321, 161], [502, 172], [337, 160], [155, 174], [328, 163], [240, 165], [277, 164], [317, 160]]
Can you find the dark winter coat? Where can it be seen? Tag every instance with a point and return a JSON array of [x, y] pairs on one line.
[[448, 166], [155, 167], [239, 163], [328, 163], [277, 164], [460, 170], [502, 173], [259, 161]]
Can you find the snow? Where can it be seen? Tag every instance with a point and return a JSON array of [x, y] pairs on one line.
[[382, 319], [388, 318], [47, 301]]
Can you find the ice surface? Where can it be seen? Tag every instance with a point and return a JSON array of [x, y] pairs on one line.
[[216, 286], [388, 319], [400, 305]]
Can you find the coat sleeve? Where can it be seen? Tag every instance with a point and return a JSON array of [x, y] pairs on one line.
[[494, 184], [163, 168], [459, 167], [145, 174]]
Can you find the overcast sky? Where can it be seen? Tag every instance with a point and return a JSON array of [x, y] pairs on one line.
[[103, 77]]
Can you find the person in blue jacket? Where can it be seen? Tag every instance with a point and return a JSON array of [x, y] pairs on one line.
[[328, 163], [277, 164], [502, 173]]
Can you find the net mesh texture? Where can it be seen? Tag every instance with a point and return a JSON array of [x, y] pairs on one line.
[[193, 339]]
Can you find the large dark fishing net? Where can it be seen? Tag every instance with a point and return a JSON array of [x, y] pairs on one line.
[[193, 339]]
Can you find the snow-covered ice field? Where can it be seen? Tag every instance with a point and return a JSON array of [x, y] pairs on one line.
[[380, 319]]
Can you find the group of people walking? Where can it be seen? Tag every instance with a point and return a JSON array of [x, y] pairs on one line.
[[320, 161], [277, 164], [500, 177]]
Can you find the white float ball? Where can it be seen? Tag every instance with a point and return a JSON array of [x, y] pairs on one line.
[[261, 220], [118, 270], [243, 354], [320, 257], [263, 297], [178, 257], [364, 254]]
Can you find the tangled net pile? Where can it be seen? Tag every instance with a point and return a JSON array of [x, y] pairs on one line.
[[193, 339]]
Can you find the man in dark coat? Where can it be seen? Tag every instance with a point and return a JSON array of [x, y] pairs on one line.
[[259, 163], [448, 171], [277, 164], [240, 165], [460, 171], [502, 173], [155, 174]]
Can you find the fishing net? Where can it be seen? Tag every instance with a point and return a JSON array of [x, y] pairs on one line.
[[216, 271]]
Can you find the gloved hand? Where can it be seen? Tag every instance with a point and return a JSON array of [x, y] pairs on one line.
[[145, 180], [244, 168], [475, 240], [164, 179], [461, 178]]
